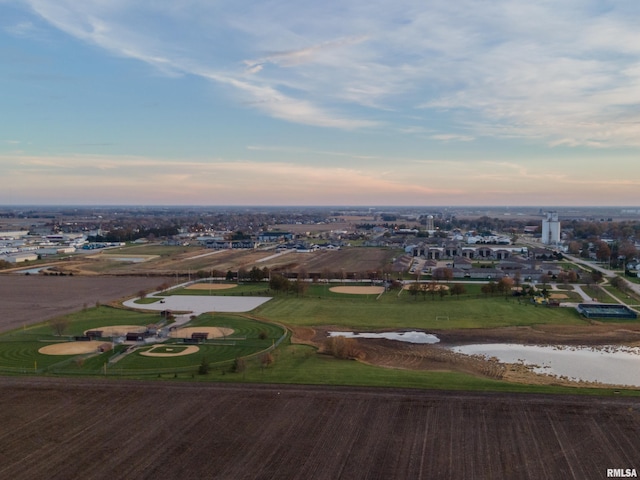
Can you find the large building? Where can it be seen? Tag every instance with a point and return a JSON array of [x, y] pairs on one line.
[[551, 229]]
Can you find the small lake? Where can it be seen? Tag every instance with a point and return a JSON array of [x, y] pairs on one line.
[[30, 271], [409, 337], [614, 365], [126, 259]]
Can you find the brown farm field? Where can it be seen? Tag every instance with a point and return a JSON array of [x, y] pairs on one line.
[[183, 260], [29, 299], [349, 260], [91, 429]]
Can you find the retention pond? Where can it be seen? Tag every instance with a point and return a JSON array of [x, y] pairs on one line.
[[409, 337], [612, 365]]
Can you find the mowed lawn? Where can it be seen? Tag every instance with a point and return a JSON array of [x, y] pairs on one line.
[[391, 311]]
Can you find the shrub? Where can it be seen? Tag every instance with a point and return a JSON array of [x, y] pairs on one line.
[[203, 369], [342, 348]]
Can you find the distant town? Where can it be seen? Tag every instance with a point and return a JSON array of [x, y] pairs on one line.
[[517, 241]]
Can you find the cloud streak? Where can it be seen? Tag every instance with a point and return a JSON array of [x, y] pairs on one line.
[[564, 74]]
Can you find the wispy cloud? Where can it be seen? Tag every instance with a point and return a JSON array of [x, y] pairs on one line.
[[21, 29], [559, 73]]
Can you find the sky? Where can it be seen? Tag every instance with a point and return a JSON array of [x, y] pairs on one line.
[[290, 102]]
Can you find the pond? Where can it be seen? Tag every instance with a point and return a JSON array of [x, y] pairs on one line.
[[613, 365], [30, 271], [127, 259], [409, 337]]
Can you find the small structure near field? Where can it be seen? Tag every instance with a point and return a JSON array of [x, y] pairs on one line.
[[606, 310], [94, 334], [105, 347], [199, 336], [134, 337]]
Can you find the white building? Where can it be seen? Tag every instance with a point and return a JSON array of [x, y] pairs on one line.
[[551, 229]]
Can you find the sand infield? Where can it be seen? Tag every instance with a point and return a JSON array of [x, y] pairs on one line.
[[71, 348], [118, 330], [214, 332], [210, 286], [358, 290], [558, 296], [179, 351]]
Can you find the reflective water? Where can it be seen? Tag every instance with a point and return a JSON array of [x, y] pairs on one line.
[[410, 337], [613, 365], [127, 259], [30, 271]]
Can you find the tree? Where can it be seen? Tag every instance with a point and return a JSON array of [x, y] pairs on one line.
[[505, 284], [256, 275], [239, 365], [266, 360], [442, 292], [229, 276], [203, 369], [457, 289], [243, 274], [59, 325], [627, 250], [414, 289], [342, 347], [298, 287], [278, 283], [574, 247], [603, 251], [442, 273], [544, 279]]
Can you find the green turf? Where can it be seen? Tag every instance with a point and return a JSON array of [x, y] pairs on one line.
[[19, 349], [295, 363], [299, 364], [405, 312]]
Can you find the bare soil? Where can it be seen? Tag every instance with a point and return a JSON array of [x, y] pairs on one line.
[[71, 348], [358, 290], [29, 299], [72, 428], [189, 350], [214, 332]]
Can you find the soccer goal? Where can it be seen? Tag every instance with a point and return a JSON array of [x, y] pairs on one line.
[[442, 317]]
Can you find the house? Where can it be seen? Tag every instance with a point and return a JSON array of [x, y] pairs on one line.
[[275, 236]]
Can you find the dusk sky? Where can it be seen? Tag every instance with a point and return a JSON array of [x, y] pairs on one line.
[[348, 102]]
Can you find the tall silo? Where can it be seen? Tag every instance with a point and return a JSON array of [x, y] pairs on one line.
[[551, 229]]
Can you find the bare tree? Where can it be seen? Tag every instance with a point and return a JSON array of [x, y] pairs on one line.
[[266, 360], [59, 325], [458, 289], [342, 347]]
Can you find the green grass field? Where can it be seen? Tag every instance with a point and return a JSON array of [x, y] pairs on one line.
[[293, 363], [299, 364], [19, 349], [391, 311]]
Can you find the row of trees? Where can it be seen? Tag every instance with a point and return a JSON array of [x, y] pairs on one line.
[[434, 288], [278, 283]]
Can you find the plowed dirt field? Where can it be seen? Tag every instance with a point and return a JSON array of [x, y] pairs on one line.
[[29, 299], [90, 429]]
